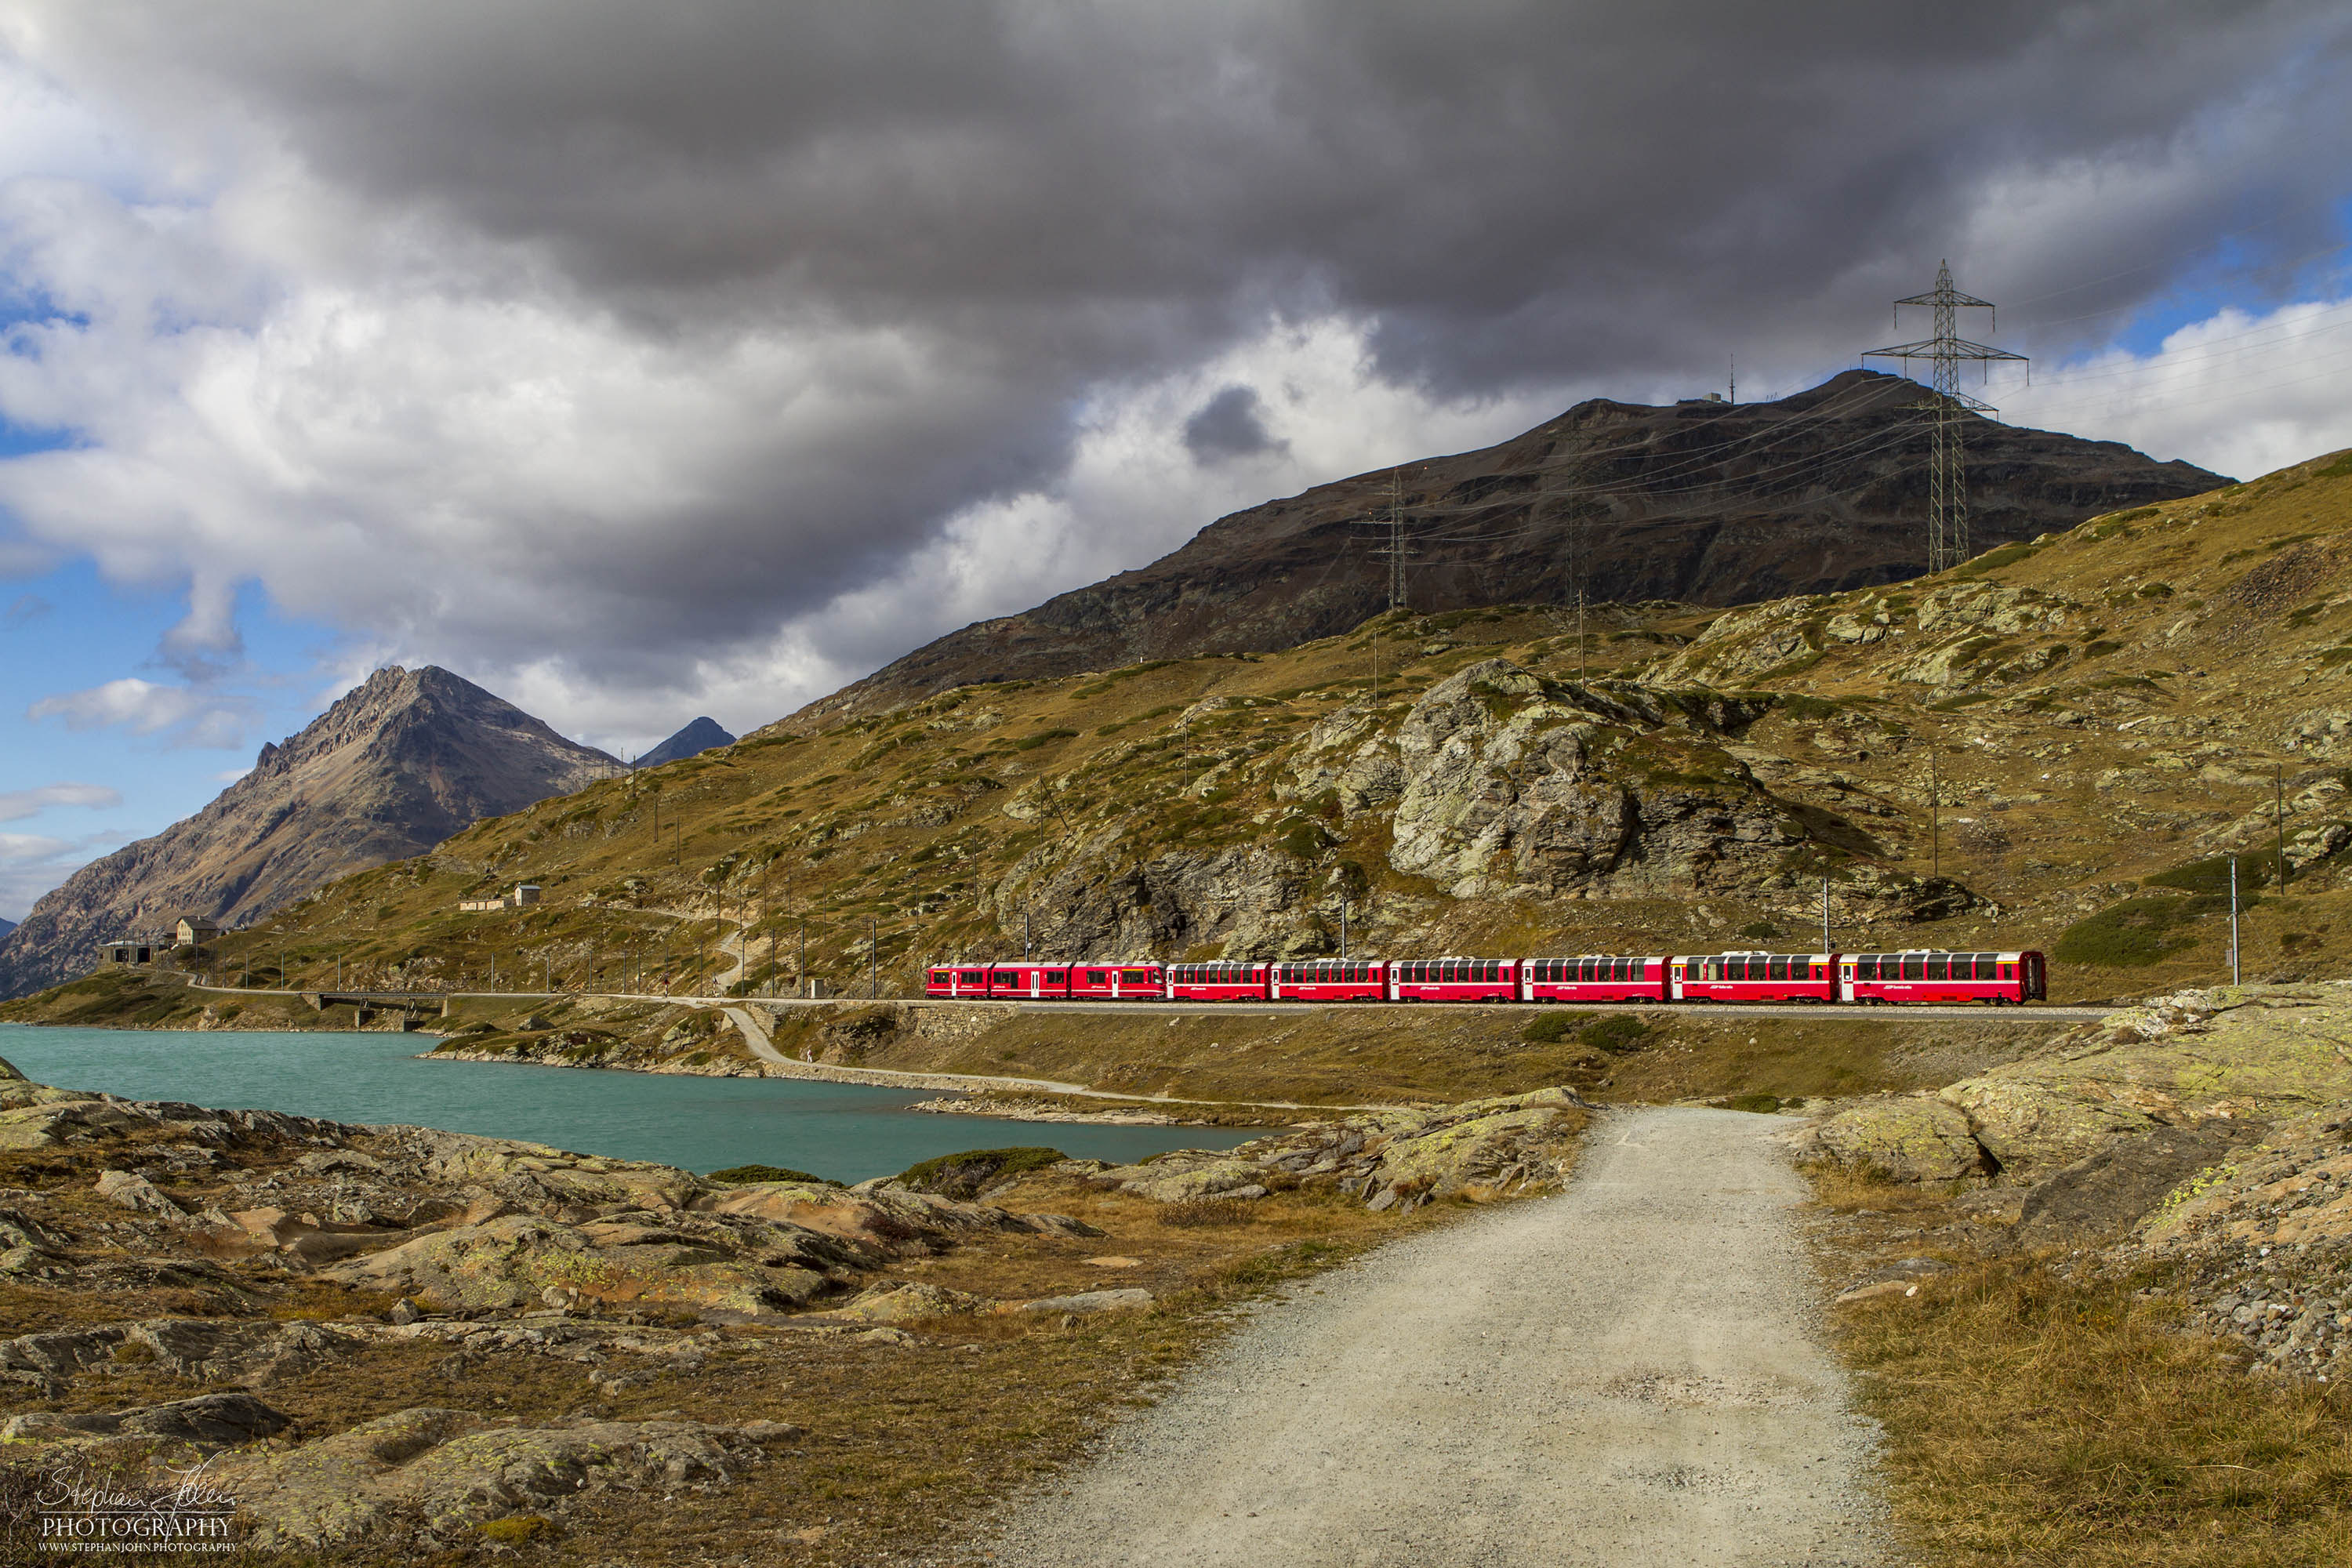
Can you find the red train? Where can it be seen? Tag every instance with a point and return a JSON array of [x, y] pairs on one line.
[[1921, 975]]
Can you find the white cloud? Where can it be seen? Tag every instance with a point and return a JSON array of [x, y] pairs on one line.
[[187, 716], [638, 370], [18, 803], [2240, 393]]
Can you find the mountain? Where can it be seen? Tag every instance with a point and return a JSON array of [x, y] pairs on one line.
[[402, 763], [1702, 502], [6, 926], [691, 741], [2057, 745]]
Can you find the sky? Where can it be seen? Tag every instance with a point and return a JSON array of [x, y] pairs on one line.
[[645, 362]]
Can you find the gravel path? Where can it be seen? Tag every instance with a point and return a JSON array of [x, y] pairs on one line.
[[1627, 1373]]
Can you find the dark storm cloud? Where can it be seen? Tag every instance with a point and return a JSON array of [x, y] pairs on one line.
[[1230, 425], [1033, 202]]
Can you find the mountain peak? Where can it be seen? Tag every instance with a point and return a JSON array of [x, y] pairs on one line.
[[401, 762], [698, 737]]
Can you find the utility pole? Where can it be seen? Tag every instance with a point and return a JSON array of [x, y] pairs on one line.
[[1024, 932], [2278, 819], [873, 959], [1343, 928], [1946, 409], [2233, 920], [803, 971], [1935, 820], [1825, 917]]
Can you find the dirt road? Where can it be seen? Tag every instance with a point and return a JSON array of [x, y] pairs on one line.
[[1627, 1373]]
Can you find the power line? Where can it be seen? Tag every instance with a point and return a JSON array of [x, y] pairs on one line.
[[1946, 408]]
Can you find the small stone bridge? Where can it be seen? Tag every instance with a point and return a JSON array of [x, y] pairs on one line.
[[411, 1004]]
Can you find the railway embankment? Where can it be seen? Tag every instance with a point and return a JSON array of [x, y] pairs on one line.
[[1284, 1058]]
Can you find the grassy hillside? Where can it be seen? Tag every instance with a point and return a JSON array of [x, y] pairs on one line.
[[2103, 712]]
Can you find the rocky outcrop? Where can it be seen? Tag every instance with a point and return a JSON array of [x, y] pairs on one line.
[[1961, 635], [1485, 1148], [2220, 1064], [447, 1471], [1597, 500], [402, 763]]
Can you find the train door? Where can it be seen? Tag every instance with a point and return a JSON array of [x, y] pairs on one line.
[[2037, 979], [1675, 992], [1842, 991]]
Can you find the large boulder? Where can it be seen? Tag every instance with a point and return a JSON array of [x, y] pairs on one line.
[[1911, 1138], [525, 1260], [207, 1419], [450, 1470]]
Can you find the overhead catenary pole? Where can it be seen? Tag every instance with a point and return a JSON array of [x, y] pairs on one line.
[[873, 959], [2278, 818], [1825, 917], [2233, 921], [1946, 409], [1935, 820]]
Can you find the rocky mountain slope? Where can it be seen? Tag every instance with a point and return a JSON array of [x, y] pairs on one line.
[[2049, 746], [691, 741], [398, 765], [1705, 502], [6, 926]]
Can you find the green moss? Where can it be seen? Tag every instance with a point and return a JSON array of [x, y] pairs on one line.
[[745, 1175], [1760, 1104], [2212, 877], [2134, 933], [964, 1174], [1618, 1032], [2007, 555], [1549, 1028]]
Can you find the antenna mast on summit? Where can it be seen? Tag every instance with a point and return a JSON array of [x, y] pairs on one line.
[[1948, 409]]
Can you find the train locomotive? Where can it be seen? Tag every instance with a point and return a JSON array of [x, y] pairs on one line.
[[1914, 976]]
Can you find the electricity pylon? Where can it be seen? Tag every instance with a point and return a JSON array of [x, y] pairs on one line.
[[1396, 550], [1947, 411]]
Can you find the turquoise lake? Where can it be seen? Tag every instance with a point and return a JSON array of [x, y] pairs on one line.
[[847, 1131]]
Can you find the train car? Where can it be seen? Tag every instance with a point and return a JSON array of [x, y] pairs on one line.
[[1929, 974], [1219, 982], [1331, 980], [1594, 977], [1753, 977], [960, 984], [1454, 980], [1117, 983], [1028, 981]]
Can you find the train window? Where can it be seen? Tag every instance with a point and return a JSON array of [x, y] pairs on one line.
[[1136, 976], [1914, 966], [1940, 966], [1867, 966], [1987, 966], [1056, 976], [1778, 969], [1095, 977]]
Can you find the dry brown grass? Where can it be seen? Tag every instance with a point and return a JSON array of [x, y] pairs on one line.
[[2034, 1419]]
